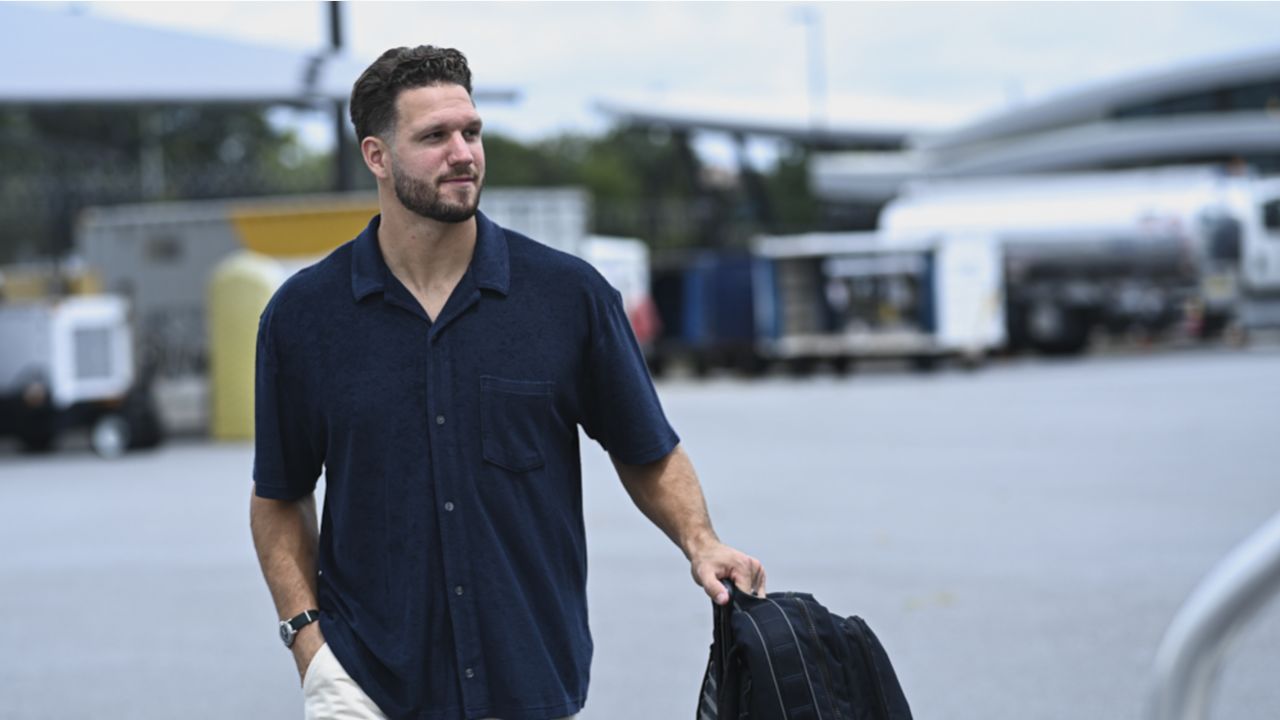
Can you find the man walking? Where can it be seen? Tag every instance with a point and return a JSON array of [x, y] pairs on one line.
[[437, 369]]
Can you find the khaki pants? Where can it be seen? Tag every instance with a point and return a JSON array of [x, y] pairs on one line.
[[329, 693]]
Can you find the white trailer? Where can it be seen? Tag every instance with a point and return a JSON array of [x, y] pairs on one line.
[[1184, 247], [67, 363], [842, 297]]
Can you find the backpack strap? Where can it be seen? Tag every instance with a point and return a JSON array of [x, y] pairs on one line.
[[776, 657]]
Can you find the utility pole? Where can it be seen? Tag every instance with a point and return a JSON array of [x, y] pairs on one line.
[[342, 158]]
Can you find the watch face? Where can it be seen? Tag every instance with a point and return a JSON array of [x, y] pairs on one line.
[[286, 634]]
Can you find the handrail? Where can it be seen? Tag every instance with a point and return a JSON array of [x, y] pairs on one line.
[[1187, 663]]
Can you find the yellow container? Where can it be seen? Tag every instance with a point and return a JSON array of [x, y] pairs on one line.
[[301, 229], [239, 289]]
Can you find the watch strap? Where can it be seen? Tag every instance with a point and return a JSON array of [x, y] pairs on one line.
[[303, 619]]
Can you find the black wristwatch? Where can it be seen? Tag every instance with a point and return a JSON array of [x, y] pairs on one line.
[[289, 628]]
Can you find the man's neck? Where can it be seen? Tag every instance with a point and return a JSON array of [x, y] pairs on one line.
[[428, 257]]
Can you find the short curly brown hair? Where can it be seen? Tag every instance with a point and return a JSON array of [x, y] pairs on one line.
[[373, 97]]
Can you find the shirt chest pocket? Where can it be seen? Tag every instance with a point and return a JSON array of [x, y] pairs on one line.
[[514, 417]]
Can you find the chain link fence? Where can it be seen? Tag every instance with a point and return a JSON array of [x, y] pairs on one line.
[[54, 162]]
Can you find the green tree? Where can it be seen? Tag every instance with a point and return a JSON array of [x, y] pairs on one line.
[[510, 163], [643, 184], [793, 204]]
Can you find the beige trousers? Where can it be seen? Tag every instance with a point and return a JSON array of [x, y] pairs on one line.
[[329, 693]]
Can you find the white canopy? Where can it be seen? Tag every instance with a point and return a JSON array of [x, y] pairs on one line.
[[56, 56]]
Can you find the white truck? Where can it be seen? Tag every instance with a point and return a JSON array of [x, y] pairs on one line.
[[68, 363], [1188, 248]]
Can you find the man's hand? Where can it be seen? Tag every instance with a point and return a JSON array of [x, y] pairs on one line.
[[718, 561], [305, 646]]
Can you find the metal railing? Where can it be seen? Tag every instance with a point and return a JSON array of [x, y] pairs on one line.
[[1191, 653]]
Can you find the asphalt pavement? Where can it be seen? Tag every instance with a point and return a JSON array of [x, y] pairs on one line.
[[1019, 537]]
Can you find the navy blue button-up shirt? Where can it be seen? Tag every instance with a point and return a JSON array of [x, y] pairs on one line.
[[453, 561]]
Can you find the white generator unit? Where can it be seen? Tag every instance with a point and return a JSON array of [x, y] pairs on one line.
[[68, 363]]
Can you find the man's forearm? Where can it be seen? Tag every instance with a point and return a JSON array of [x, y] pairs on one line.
[[669, 494], [286, 537]]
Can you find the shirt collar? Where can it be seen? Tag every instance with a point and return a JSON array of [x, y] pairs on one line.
[[490, 261]]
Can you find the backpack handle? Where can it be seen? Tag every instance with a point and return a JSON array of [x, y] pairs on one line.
[[720, 688], [722, 628]]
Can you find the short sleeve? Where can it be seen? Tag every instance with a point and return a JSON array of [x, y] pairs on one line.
[[621, 410], [288, 455]]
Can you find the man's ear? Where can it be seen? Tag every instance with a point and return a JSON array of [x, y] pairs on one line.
[[377, 156]]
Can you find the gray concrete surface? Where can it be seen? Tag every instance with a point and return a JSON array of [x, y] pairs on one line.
[[1019, 537]]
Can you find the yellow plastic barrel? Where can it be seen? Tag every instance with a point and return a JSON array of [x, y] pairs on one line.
[[239, 289]]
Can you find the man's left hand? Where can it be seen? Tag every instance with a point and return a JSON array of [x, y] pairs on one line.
[[719, 562]]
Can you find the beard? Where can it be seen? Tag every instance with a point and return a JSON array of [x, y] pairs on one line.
[[420, 198]]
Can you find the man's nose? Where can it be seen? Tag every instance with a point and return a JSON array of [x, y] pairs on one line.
[[460, 152]]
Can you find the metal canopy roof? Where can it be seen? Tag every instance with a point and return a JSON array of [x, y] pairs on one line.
[[60, 57], [1136, 141], [879, 176], [839, 133], [1096, 101]]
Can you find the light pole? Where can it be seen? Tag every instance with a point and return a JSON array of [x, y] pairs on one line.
[[811, 18]]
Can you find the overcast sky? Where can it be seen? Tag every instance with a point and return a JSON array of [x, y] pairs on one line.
[[933, 64]]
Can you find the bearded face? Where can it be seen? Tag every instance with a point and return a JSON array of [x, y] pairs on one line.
[[449, 199]]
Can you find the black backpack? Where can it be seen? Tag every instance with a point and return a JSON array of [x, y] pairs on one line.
[[786, 657]]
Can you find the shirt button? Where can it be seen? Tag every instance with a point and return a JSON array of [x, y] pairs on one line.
[[439, 419], [469, 673], [448, 507], [458, 590]]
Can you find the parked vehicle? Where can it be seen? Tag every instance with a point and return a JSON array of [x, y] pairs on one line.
[[68, 363], [1170, 249]]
